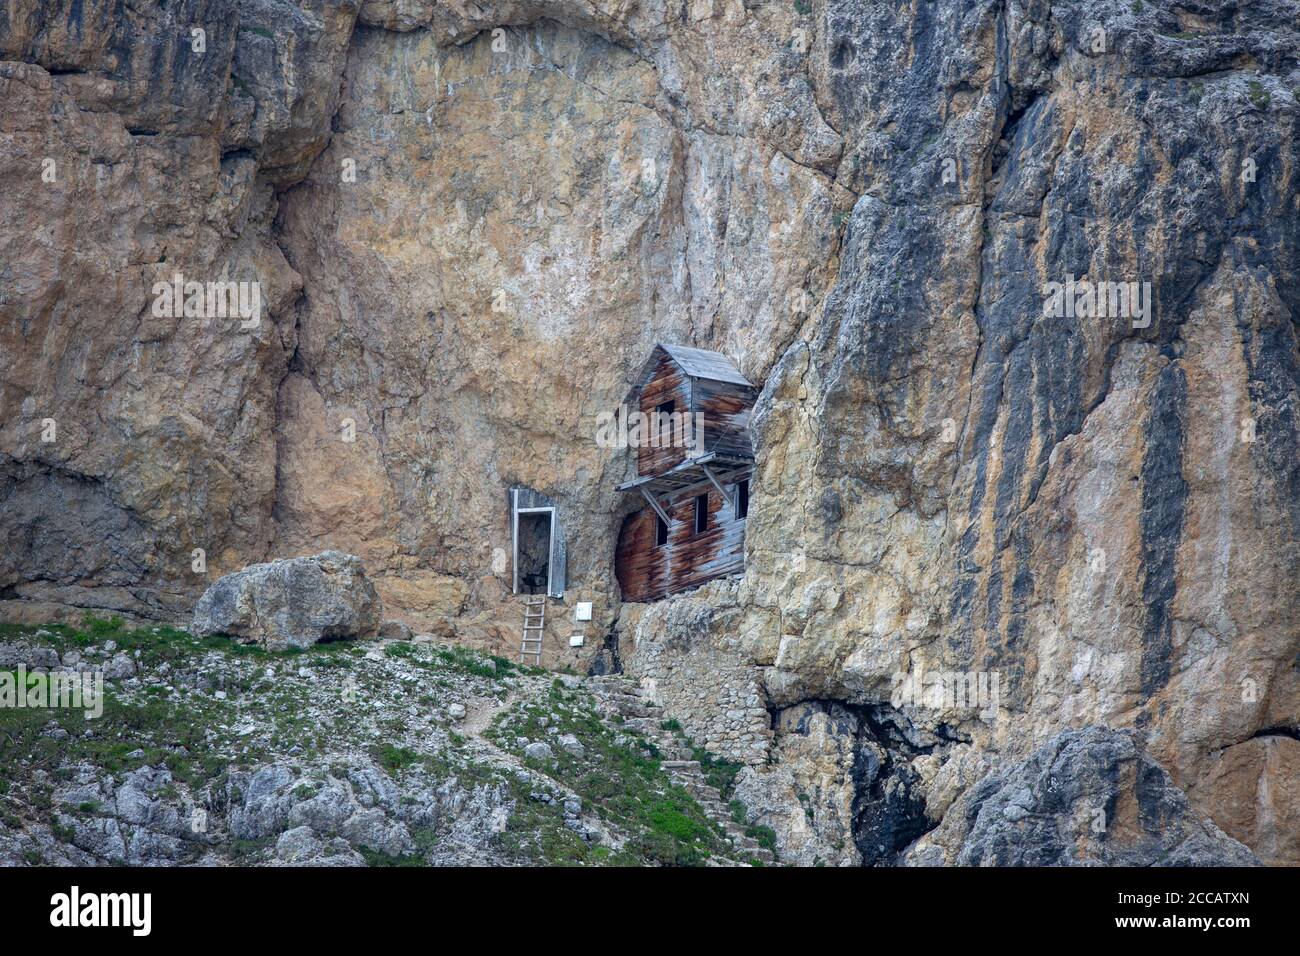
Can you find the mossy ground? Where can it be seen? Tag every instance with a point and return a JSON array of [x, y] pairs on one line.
[[618, 774]]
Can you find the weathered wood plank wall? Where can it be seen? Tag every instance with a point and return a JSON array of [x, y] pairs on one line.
[[666, 384], [726, 409], [647, 572]]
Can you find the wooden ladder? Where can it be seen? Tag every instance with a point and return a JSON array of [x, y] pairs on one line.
[[534, 628]]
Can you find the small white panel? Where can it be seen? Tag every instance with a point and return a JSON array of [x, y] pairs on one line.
[[583, 611], [575, 641]]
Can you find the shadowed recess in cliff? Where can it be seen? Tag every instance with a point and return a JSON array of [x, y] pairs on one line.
[[46, 507], [888, 802]]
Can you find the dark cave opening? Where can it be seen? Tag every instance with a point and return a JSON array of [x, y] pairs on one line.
[[888, 812]]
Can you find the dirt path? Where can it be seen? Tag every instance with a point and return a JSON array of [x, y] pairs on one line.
[[480, 718]]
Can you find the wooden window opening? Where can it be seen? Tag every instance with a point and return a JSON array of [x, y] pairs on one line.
[[661, 531], [701, 513], [661, 429], [742, 499]]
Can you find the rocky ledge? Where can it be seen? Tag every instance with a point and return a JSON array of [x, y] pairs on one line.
[[1089, 797]]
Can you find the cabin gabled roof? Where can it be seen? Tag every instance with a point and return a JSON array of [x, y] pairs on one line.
[[701, 363], [696, 363]]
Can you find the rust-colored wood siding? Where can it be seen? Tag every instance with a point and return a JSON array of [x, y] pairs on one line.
[[726, 409], [646, 572], [666, 384]]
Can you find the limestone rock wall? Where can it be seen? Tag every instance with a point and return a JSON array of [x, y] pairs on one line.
[[1100, 513], [469, 223]]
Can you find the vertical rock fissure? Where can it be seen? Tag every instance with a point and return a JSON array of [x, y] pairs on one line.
[[1164, 493]]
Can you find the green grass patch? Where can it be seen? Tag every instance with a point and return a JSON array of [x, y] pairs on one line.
[[1258, 95], [765, 835], [159, 644], [129, 734], [623, 783], [721, 774], [394, 759], [472, 662]]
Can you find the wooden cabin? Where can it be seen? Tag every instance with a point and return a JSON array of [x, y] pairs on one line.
[[694, 479]]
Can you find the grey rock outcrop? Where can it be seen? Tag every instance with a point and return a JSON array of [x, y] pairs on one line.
[[571, 744], [1088, 797], [291, 603], [539, 751], [395, 631]]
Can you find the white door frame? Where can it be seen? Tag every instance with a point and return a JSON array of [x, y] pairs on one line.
[[514, 541]]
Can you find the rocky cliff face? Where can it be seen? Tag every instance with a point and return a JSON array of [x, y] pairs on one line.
[[470, 222]]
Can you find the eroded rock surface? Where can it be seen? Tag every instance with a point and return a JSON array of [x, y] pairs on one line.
[[1090, 796], [470, 222]]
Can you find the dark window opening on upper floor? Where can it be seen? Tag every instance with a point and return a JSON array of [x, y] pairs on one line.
[[661, 426], [701, 513], [742, 499], [661, 531]]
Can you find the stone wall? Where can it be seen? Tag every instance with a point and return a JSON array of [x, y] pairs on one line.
[[681, 653]]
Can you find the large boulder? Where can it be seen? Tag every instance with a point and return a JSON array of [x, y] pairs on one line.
[[292, 603], [1088, 797]]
